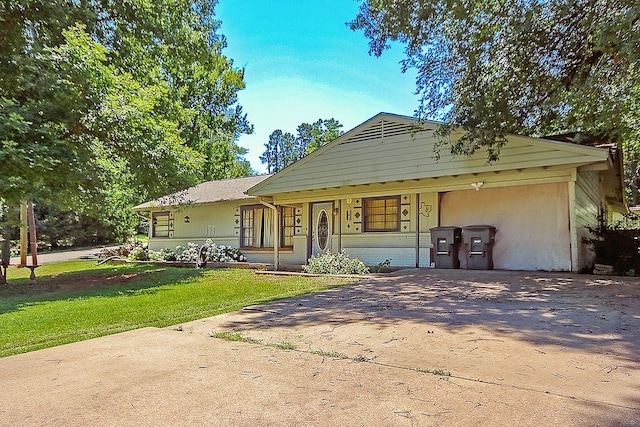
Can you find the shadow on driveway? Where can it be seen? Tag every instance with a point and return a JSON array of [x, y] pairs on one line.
[[582, 312]]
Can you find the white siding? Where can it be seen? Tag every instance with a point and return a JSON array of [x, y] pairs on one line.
[[408, 155], [211, 220], [400, 248], [587, 204], [208, 220], [532, 224]]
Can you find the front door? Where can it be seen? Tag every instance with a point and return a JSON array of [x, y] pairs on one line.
[[322, 228]]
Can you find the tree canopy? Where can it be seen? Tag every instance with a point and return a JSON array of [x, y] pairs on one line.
[[104, 104], [95, 90], [284, 148], [536, 67]]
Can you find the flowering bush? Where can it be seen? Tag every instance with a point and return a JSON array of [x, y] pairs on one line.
[[139, 253], [164, 254], [187, 254], [211, 251], [339, 263], [222, 253]]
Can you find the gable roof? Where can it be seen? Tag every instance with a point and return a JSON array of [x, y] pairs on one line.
[[208, 192], [390, 147]]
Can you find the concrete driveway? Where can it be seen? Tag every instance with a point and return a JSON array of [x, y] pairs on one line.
[[419, 347]]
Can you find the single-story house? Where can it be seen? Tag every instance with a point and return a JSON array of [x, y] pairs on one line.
[[376, 192]]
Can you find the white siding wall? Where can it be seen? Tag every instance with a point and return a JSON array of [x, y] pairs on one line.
[[411, 156], [532, 224], [399, 248], [588, 202], [211, 220], [215, 221], [376, 247]]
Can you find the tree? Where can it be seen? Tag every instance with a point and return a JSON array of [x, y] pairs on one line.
[[279, 151], [284, 149], [517, 66], [315, 135], [113, 103], [85, 82]]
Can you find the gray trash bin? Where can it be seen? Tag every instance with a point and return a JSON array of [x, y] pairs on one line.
[[479, 241], [446, 241]]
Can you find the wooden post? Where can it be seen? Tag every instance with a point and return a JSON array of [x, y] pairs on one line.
[[23, 234], [5, 250]]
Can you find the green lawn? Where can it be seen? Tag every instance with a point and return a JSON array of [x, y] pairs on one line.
[[77, 300]]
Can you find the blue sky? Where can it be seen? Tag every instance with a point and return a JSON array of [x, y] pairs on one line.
[[302, 63]]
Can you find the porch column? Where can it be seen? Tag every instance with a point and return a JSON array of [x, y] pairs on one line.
[[417, 230], [276, 230], [339, 225]]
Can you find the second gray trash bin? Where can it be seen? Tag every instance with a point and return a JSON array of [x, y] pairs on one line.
[[446, 241], [479, 246]]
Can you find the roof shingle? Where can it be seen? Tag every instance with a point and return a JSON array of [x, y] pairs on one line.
[[208, 192]]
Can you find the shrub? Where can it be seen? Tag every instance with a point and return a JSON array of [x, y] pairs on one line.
[[139, 253], [188, 253], [378, 268], [335, 263], [616, 246], [123, 251], [222, 253], [212, 253], [164, 254]]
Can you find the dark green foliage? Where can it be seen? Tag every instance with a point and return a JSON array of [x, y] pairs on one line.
[[284, 149], [107, 104], [536, 67], [617, 245]]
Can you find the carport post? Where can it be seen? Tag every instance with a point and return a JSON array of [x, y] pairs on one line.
[[573, 232]]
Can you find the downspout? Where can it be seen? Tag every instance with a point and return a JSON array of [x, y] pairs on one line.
[[340, 226], [417, 230], [276, 237]]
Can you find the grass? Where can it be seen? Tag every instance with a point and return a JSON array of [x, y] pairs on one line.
[[78, 300], [234, 336], [238, 337], [284, 346], [332, 354], [438, 371]]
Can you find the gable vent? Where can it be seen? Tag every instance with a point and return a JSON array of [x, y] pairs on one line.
[[382, 129]]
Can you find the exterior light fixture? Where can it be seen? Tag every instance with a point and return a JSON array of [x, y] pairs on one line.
[[477, 185], [187, 220]]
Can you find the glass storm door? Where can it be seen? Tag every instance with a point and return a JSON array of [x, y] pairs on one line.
[[322, 229]]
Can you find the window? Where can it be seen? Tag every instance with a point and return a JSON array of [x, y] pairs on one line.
[[160, 222], [257, 227], [288, 226], [382, 214]]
